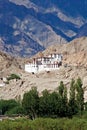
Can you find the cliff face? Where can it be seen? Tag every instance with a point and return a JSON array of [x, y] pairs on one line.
[[30, 26]]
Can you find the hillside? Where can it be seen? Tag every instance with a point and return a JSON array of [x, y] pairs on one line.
[[9, 64], [74, 66], [30, 26], [74, 53]]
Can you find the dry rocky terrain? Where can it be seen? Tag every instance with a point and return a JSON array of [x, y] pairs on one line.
[[74, 66]]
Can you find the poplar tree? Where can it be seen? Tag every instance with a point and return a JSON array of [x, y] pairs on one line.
[[72, 107], [80, 95], [61, 89], [62, 100], [65, 102], [44, 103]]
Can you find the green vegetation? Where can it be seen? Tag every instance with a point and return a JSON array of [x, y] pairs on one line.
[[9, 107], [13, 76], [45, 124], [31, 103], [46, 111], [18, 110], [54, 105]]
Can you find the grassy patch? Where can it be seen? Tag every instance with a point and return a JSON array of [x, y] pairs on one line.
[[44, 124]]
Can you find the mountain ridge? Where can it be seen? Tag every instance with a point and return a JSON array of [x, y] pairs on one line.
[[30, 26]]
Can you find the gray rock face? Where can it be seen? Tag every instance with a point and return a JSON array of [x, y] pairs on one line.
[[29, 26]]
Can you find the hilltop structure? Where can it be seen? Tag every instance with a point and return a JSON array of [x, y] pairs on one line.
[[44, 63]]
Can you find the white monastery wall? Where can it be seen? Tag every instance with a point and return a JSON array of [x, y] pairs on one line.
[[44, 64]]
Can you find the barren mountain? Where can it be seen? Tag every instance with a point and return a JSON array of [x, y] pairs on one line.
[[73, 53], [9, 64], [74, 66], [30, 26]]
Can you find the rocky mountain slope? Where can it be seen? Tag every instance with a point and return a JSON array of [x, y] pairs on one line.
[[9, 64], [74, 53], [29, 26], [74, 66]]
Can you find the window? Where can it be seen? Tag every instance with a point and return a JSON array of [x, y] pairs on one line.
[[54, 55]]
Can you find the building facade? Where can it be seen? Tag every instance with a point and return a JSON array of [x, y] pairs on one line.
[[48, 63]]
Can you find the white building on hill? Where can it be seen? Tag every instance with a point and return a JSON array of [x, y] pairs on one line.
[[48, 63]]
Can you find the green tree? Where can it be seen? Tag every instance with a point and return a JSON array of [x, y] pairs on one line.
[[49, 104], [85, 106], [65, 102], [61, 89], [44, 103], [54, 104], [62, 101], [30, 103], [7, 105], [80, 95], [72, 99], [18, 110]]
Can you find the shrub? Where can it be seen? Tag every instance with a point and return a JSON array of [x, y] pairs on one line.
[[7, 105], [13, 76], [18, 110]]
